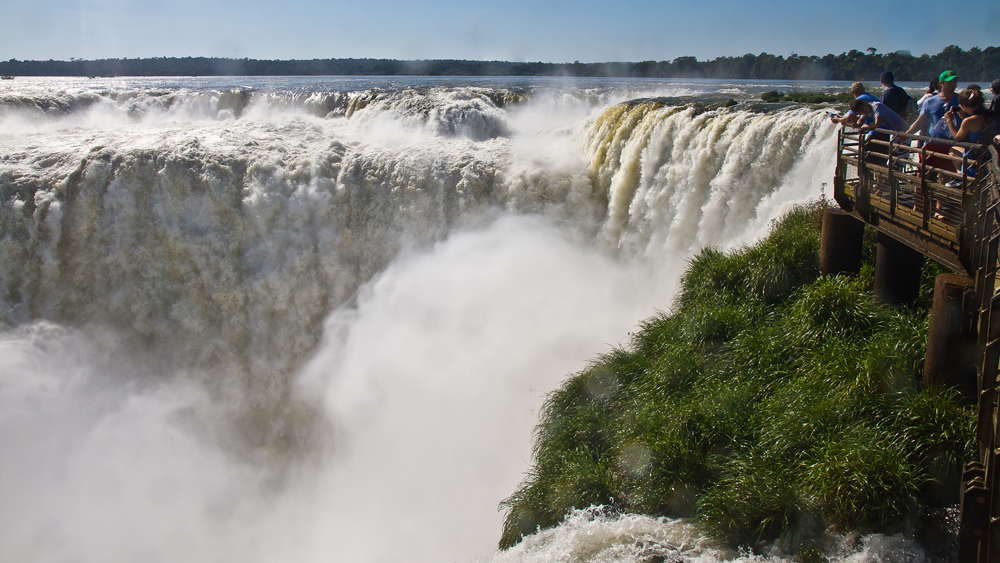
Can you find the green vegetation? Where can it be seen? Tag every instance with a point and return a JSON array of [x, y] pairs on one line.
[[771, 403], [806, 97], [974, 65]]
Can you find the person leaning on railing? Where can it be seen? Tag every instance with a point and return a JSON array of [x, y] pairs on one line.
[[858, 91], [881, 116], [877, 115], [930, 120]]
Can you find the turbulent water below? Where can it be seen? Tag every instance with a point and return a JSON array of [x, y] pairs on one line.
[[313, 319]]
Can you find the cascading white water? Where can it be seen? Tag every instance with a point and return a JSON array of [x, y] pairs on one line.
[[310, 323], [593, 536], [677, 178]]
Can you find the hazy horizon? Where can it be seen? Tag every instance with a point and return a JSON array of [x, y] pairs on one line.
[[72, 59], [519, 31]]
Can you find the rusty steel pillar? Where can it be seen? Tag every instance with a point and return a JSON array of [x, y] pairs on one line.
[[951, 341], [840, 244], [897, 271]]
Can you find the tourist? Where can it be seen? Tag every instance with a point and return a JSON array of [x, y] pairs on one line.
[[930, 120], [967, 121], [877, 115], [995, 88], [968, 127], [858, 91], [894, 97], [882, 116], [932, 90], [935, 107]]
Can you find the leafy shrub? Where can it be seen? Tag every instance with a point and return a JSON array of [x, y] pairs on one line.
[[771, 97]]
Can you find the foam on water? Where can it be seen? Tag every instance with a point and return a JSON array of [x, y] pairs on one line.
[[596, 535], [311, 323]]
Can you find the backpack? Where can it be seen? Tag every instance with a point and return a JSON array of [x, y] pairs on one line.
[[896, 99]]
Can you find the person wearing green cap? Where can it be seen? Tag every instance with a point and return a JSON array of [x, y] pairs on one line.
[[930, 119]]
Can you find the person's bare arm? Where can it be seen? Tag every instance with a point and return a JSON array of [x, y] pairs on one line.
[[919, 125], [961, 134], [958, 133], [841, 118], [874, 125]]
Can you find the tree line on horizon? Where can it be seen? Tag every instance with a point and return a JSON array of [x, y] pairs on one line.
[[974, 64]]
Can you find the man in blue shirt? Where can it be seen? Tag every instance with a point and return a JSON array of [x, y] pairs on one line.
[[858, 91], [882, 115], [930, 120], [877, 116], [935, 107]]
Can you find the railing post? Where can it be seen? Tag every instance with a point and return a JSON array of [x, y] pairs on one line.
[[893, 191], [863, 194], [838, 181], [922, 200]]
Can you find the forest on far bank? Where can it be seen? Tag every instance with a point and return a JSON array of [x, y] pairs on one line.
[[975, 64]]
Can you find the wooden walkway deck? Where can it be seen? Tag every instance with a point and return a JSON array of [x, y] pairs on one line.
[[942, 211]]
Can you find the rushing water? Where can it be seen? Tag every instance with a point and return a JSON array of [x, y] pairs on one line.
[[313, 319]]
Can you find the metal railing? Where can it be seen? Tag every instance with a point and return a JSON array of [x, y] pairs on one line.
[[942, 199], [903, 186], [979, 531]]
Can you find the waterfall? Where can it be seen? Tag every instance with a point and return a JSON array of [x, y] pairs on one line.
[[235, 315]]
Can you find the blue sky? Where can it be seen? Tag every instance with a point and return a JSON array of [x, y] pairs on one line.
[[517, 30]]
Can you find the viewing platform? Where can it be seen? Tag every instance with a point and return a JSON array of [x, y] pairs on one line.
[[890, 181]]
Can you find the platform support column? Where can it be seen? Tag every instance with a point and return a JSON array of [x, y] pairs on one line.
[[951, 341], [840, 244], [897, 272]]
